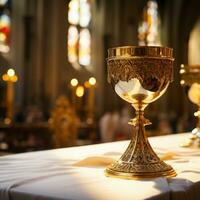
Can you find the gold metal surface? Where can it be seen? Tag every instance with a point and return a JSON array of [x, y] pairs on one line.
[[140, 51], [190, 76], [139, 75]]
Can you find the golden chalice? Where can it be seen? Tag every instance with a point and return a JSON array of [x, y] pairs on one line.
[[190, 77], [140, 75]]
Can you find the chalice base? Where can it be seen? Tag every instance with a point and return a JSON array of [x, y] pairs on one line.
[[139, 175], [139, 161]]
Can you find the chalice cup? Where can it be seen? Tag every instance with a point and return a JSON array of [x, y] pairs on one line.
[[190, 77], [140, 75]]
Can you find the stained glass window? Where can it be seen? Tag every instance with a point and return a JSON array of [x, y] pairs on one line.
[[149, 28], [85, 14], [73, 12], [5, 25], [3, 2], [79, 36], [72, 44], [84, 47]]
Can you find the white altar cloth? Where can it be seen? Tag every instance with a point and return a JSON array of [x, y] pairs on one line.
[[51, 175]]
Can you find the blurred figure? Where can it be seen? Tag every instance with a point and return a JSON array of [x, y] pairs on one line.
[[173, 120], [182, 124], [64, 123], [164, 126], [186, 123], [34, 114], [109, 124], [19, 115]]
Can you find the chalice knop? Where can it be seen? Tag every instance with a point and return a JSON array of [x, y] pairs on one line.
[[140, 75], [190, 77]]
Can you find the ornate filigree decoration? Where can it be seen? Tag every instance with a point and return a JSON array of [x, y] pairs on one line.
[[154, 71]]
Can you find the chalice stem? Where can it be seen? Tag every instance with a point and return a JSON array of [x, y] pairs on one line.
[[139, 150]]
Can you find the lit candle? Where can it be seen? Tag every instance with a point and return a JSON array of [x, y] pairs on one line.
[[74, 83], [91, 98], [9, 78], [80, 91]]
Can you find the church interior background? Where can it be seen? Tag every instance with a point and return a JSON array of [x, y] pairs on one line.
[[54, 90]]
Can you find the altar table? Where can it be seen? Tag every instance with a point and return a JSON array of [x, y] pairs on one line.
[[54, 175]]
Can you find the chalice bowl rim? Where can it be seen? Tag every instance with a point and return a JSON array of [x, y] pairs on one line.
[[159, 52]]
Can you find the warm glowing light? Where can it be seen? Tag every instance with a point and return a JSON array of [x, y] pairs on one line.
[[11, 72], [72, 44], [148, 30], [4, 48], [10, 76], [182, 71], [14, 78], [85, 13], [84, 47], [182, 82], [74, 82], [182, 65], [5, 77], [7, 121], [3, 2], [2, 37], [87, 84], [92, 81], [193, 93], [80, 91], [196, 114], [73, 13]]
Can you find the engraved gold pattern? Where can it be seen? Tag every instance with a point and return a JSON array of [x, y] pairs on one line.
[[148, 71]]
